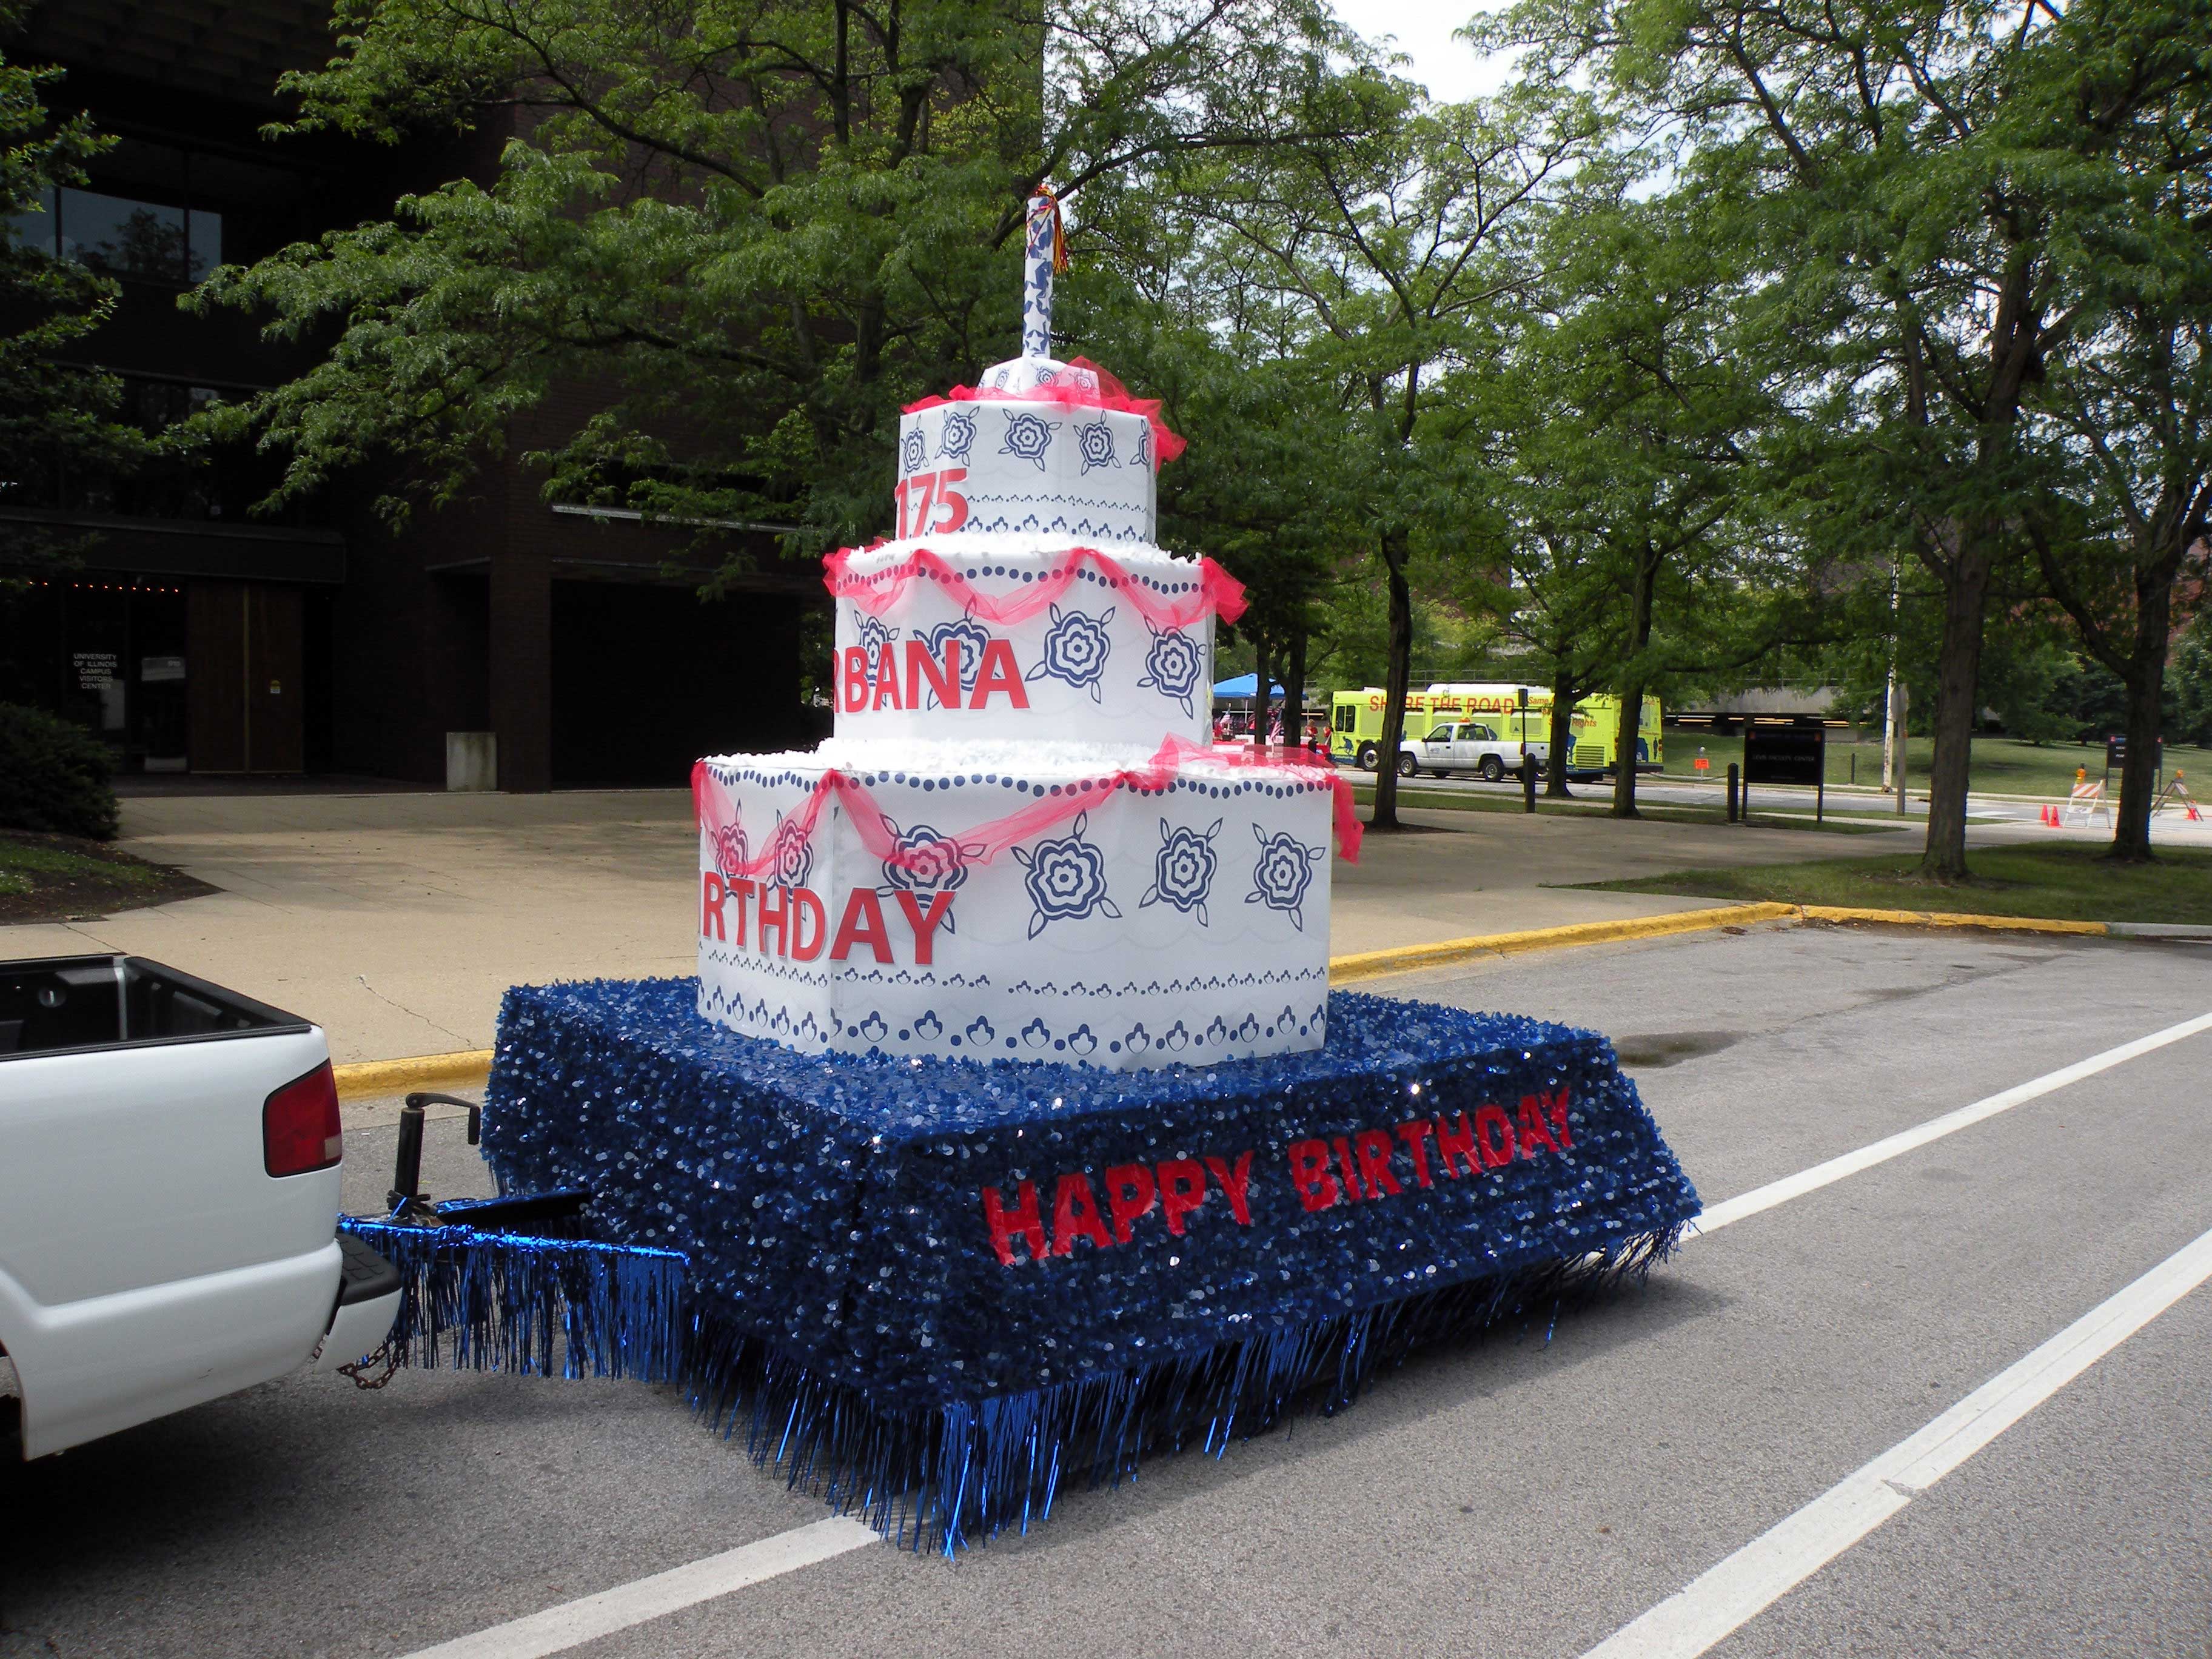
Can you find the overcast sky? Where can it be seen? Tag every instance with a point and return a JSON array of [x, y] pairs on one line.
[[1447, 67]]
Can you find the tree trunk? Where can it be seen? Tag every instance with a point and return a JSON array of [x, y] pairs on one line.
[[1294, 689], [2146, 680], [1261, 679], [1393, 704], [1625, 726], [1641, 598], [1562, 736], [1958, 674]]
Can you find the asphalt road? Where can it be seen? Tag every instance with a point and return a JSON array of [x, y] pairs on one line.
[[1519, 1497]]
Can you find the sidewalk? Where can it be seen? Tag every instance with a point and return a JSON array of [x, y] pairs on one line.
[[397, 920]]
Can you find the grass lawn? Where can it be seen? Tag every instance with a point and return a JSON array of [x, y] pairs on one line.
[[2002, 766], [2068, 883], [1598, 804], [54, 877]]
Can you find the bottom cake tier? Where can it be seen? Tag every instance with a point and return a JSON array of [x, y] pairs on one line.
[[1097, 905]]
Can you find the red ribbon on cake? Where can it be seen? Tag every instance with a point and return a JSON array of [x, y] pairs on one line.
[[1109, 393], [1219, 594], [986, 841]]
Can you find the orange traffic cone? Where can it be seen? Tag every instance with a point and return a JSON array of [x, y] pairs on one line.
[[2049, 816]]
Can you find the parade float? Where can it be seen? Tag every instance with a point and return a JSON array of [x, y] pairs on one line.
[[1009, 1132]]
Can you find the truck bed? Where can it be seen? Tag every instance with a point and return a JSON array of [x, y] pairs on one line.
[[54, 1004]]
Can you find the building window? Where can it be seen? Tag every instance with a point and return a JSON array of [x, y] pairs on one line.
[[116, 236], [153, 220]]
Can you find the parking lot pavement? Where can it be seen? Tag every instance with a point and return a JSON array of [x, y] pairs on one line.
[[1516, 1498]]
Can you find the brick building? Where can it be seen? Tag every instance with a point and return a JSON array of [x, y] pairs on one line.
[[197, 638]]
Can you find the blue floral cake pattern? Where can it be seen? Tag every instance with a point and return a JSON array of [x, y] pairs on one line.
[[1095, 440], [958, 438], [1182, 870], [1065, 877], [1027, 438], [793, 850], [974, 639], [1075, 650], [930, 863], [1283, 873], [1173, 665]]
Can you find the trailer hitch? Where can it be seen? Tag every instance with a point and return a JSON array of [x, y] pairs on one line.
[[410, 1204]]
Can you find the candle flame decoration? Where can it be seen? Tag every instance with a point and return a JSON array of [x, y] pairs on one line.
[[1044, 251]]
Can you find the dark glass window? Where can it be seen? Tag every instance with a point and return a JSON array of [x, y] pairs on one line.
[[148, 226]]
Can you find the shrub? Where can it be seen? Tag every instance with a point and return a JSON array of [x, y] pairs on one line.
[[53, 776]]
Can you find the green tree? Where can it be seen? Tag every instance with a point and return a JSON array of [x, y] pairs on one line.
[[751, 232], [1913, 178], [2122, 522], [1396, 254]]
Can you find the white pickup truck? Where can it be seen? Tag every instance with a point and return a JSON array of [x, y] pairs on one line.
[[169, 1158], [1468, 746]]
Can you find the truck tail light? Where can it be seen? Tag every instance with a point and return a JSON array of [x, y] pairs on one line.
[[299, 1125]]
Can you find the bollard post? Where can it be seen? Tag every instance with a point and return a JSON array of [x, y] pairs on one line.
[[1732, 792], [1529, 769]]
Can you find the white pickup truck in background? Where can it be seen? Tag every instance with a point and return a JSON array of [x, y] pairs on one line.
[[169, 1157], [1468, 746]]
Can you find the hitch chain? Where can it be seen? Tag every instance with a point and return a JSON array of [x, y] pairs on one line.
[[390, 1359]]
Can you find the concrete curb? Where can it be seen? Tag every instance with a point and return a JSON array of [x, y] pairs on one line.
[[1951, 918], [1369, 964], [468, 1069], [366, 1078]]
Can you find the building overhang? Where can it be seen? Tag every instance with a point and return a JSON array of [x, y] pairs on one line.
[[177, 547]]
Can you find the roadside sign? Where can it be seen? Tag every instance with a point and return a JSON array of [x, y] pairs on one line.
[[2116, 753], [1796, 753], [1784, 753]]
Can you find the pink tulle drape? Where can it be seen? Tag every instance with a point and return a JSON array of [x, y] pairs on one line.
[[986, 841], [1219, 593]]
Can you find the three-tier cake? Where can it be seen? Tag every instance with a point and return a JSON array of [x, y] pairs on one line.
[[1018, 843]]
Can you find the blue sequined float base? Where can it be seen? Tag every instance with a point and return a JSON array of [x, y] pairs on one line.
[[932, 1236]]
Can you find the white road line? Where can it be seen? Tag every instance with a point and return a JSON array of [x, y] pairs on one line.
[[572, 1624], [1723, 1599], [1836, 1168]]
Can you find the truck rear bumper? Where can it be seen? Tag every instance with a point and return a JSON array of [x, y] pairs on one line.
[[89, 1368], [368, 1301]]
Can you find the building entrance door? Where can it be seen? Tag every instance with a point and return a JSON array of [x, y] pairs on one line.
[[244, 686]]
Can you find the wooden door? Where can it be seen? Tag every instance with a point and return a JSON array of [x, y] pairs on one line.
[[242, 676], [275, 732]]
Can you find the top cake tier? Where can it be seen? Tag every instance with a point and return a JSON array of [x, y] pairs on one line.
[[1026, 637], [1027, 452]]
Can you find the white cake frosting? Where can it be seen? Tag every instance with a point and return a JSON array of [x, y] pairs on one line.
[[1017, 845]]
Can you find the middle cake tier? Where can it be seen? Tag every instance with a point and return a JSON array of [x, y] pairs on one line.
[[1026, 637], [1114, 905]]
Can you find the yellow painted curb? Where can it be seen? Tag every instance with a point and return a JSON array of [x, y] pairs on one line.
[[1948, 919], [366, 1078], [1369, 964]]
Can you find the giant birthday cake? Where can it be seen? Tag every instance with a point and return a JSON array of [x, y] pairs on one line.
[[1015, 843], [1021, 1137]]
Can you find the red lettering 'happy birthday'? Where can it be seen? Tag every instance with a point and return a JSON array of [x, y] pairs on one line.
[[1356, 1169], [791, 921]]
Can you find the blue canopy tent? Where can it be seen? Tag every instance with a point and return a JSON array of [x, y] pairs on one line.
[[1244, 687]]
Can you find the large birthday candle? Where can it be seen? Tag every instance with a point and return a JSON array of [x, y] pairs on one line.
[[1043, 254]]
